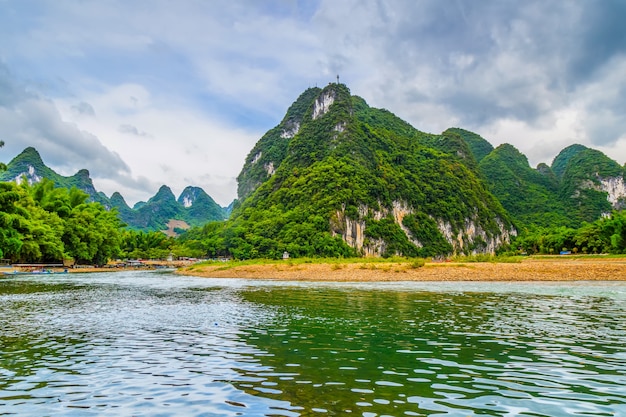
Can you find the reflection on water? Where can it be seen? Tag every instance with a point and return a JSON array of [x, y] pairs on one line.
[[157, 344]]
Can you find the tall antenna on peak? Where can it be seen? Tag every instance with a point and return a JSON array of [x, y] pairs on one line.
[[337, 78]]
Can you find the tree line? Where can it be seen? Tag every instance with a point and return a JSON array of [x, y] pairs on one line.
[[43, 223], [606, 235]]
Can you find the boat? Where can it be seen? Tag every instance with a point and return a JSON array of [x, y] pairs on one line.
[[35, 272]]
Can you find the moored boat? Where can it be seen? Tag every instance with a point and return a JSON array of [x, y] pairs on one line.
[[35, 272]]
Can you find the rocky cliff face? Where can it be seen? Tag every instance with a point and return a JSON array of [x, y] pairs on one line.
[[591, 182], [470, 239], [614, 187], [28, 166], [322, 103], [29, 175], [616, 191]]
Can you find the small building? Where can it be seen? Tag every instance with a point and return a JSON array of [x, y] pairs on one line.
[[285, 255]]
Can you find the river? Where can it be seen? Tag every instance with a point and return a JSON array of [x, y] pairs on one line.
[[157, 344]]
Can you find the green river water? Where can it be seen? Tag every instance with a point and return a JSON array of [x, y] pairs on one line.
[[157, 344]]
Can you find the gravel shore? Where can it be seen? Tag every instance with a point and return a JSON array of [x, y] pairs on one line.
[[554, 269]]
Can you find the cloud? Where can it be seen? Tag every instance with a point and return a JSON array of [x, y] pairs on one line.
[[183, 143], [84, 108], [191, 85], [27, 119], [484, 64], [602, 36], [131, 130]]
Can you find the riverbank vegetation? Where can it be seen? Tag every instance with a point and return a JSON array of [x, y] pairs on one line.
[[43, 223], [606, 235]]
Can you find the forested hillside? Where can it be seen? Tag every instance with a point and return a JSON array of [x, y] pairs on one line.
[[335, 178], [338, 178], [194, 206], [582, 185]]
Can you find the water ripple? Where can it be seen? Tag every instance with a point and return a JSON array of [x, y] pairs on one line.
[[147, 344]]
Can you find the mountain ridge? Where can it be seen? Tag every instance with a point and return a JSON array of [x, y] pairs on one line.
[[349, 184], [346, 179], [336, 177], [197, 209]]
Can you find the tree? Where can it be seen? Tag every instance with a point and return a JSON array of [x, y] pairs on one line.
[[145, 245], [3, 167], [13, 222], [92, 234]]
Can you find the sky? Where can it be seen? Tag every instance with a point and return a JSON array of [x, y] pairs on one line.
[[146, 93]]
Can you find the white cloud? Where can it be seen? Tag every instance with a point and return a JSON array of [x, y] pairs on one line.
[[29, 120], [179, 145], [149, 93]]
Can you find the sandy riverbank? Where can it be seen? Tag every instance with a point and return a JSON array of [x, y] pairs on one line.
[[552, 269]]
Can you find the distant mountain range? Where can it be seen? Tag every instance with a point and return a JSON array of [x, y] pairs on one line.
[[164, 212]]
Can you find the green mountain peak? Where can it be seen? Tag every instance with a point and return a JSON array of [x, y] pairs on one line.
[[357, 180], [559, 163], [478, 145], [147, 216]]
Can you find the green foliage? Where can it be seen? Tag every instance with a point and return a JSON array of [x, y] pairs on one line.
[[203, 241], [271, 149], [417, 263], [3, 167], [566, 194], [154, 214], [145, 245], [582, 174], [396, 241], [561, 161], [92, 234], [477, 144], [529, 195], [453, 144], [487, 257], [13, 221], [44, 223], [150, 216], [606, 235], [203, 208], [425, 230], [343, 167]]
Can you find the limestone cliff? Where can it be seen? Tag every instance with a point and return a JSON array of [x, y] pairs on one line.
[[470, 239]]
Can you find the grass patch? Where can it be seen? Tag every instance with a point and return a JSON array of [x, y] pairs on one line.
[[368, 262], [577, 257], [488, 258], [417, 263]]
